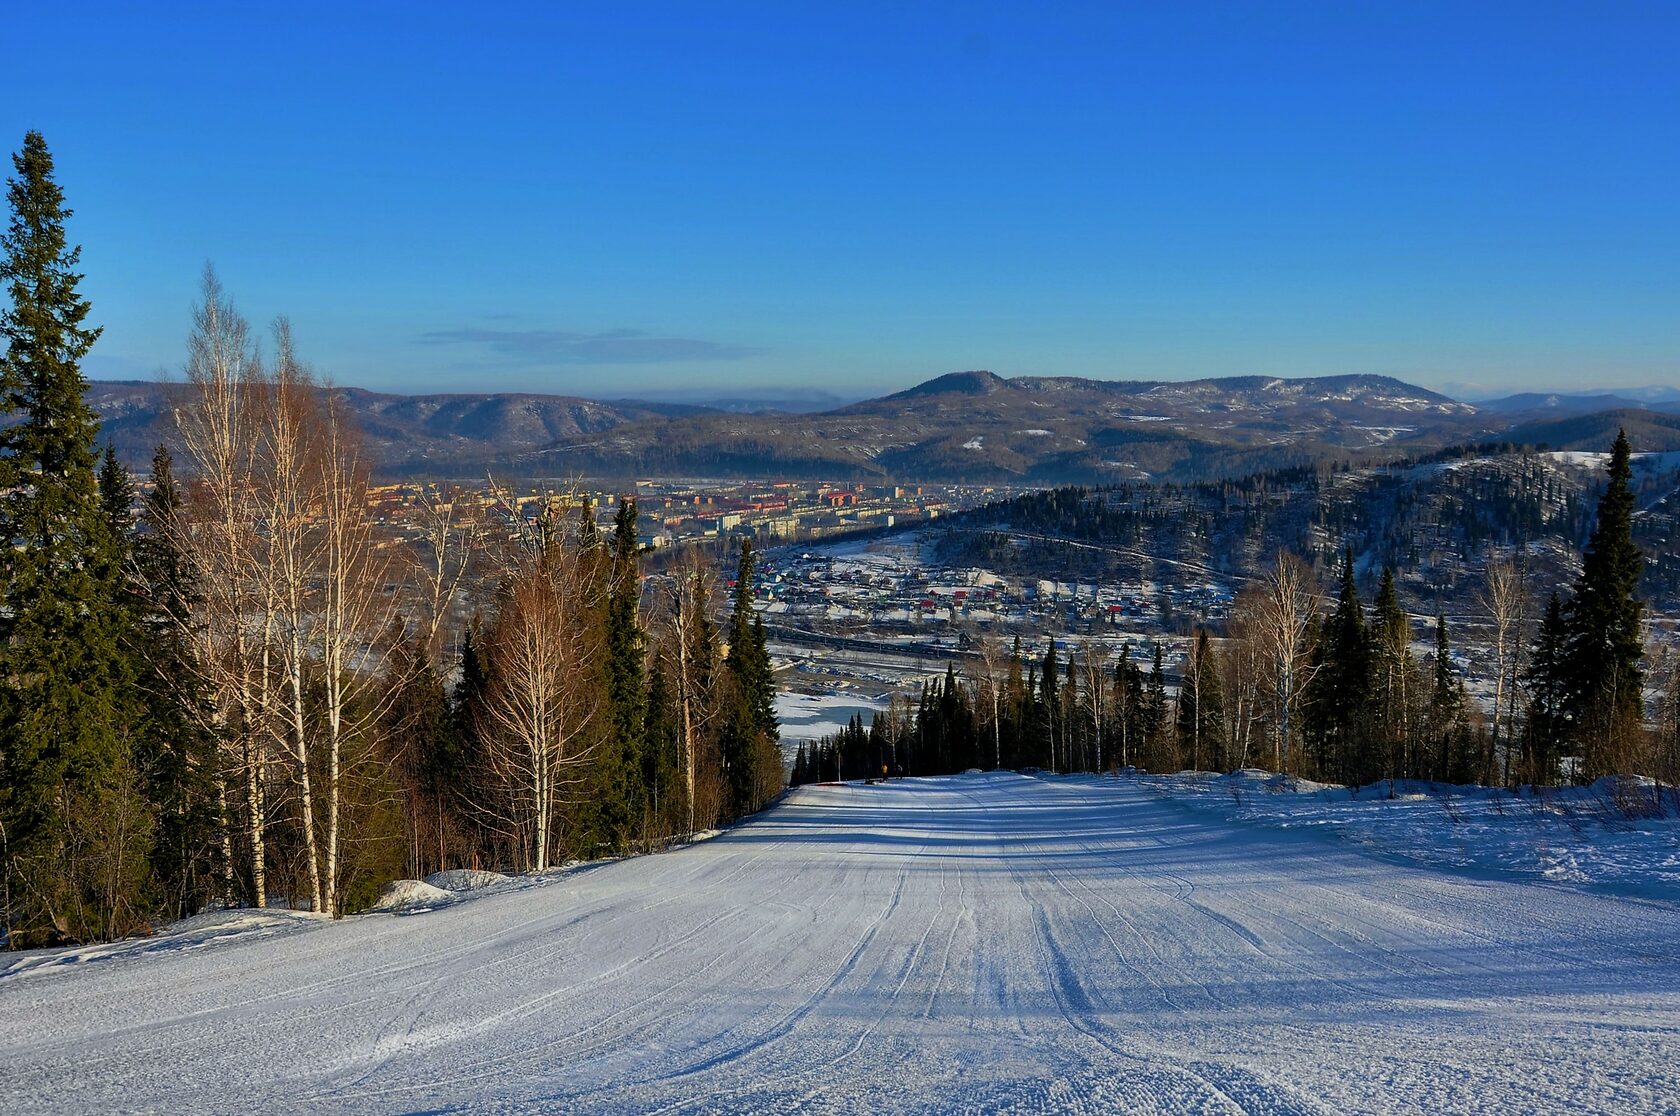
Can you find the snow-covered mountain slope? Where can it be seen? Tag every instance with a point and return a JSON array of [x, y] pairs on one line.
[[987, 943]]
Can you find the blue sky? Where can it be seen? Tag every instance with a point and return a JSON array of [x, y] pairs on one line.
[[608, 199]]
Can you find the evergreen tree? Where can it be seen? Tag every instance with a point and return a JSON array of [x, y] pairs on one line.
[[429, 757], [664, 792], [116, 496], [1392, 686], [1448, 713], [1339, 703], [1050, 703], [1155, 696], [1128, 701], [1547, 724], [1201, 708], [617, 799], [177, 751], [749, 734], [589, 532], [1605, 648], [470, 724], [75, 830]]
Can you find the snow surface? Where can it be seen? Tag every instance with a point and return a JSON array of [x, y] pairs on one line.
[[1610, 835], [466, 879], [987, 943], [813, 716]]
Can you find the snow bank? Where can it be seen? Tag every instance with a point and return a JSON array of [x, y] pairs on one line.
[[1614, 835], [189, 934], [411, 895], [465, 879]]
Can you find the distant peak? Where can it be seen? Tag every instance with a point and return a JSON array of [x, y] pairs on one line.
[[956, 383]]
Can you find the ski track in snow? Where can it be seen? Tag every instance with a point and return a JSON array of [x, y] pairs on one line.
[[988, 943]]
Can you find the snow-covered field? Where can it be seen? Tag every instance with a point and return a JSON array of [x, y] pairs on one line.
[[988, 943], [812, 716], [1611, 835]]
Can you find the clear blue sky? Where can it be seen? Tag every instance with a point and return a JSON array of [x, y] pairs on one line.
[[609, 198]]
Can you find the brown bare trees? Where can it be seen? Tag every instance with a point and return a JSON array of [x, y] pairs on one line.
[[1504, 598], [543, 698], [1279, 614], [293, 618]]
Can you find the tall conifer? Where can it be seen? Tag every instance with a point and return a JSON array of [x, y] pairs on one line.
[[68, 806], [1605, 648]]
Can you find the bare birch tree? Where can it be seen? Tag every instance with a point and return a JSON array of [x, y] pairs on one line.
[[693, 650], [355, 617], [1504, 597], [543, 695], [1281, 616], [289, 485], [1096, 686], [218, 430]]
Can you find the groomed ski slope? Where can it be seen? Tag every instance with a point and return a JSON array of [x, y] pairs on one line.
[[988, 943]]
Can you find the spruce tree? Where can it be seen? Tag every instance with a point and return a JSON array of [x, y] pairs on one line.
[[1154, 713], [1605, 648], [75, 836], [1049, 696], [1201, 708], [178, 750], [1448, 713], [470, 725], [1392, 670], [617, 798], [1547, 680], [663, 788], [749, 734], [1340, 697]]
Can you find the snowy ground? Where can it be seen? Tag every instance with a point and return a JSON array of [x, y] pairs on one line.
[[1611, 836], [986, 943], [813, 716]]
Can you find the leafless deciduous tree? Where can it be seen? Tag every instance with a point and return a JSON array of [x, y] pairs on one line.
[[989, 681], [1280, 612], [1504, 597], [692, 649], [218, 428], [1096, 697], [543, 697]]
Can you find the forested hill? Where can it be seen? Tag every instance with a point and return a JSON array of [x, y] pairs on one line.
[[433, 433], [1434, 521], [965, 426], [978, 426]]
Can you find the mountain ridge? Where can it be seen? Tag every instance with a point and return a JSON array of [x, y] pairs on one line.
[[969, 426]]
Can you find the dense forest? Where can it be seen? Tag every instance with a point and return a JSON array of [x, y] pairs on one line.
[[1318, 684], [234, 690], [1434, 521]]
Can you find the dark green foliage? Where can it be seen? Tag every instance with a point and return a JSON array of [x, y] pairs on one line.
[[430, 759], [177, 756], [1393, 686], [662, 787], [1050, 709], [1201, 709], [1605, 645], [1548, 724], [616, 802], [69, 802], [1154, 718], [1451, 754], [752, 764], [1339, 699]]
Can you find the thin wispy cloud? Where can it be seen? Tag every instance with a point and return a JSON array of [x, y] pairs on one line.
[[618, 346]]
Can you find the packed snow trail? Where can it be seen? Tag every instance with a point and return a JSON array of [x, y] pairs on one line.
[[986, 943]]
